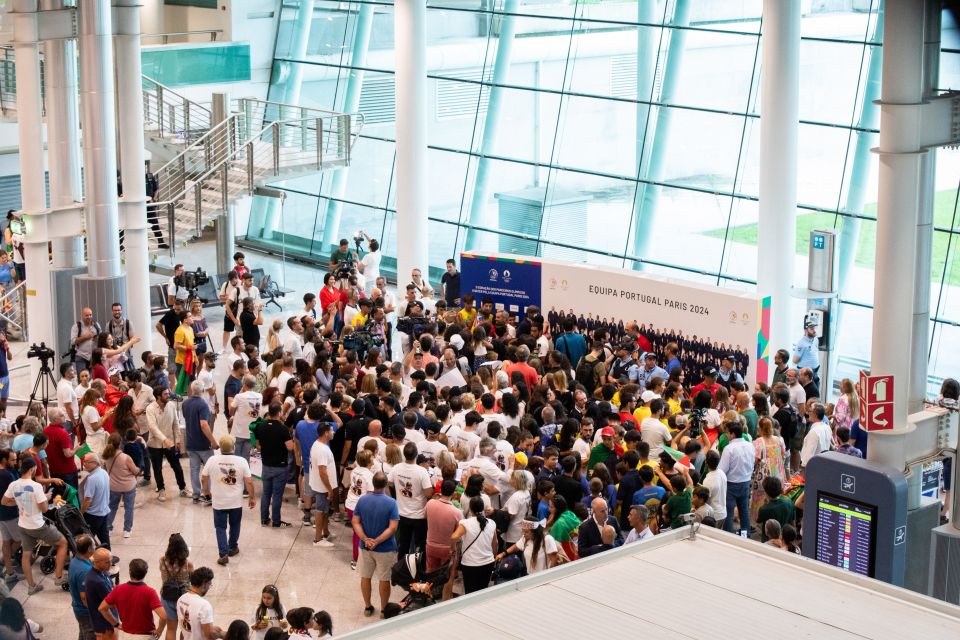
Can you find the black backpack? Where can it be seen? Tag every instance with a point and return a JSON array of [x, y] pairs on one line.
[[586, 373]]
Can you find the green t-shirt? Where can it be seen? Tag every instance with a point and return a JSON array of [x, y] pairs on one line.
[[780, 510], [679, 505], [724, 440], [339, 256], [750, 415]]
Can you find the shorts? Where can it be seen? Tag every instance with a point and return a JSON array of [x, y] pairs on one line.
[[307, 491], [170, 608], [376, 565], [321, 501], [228, 324], [10, 530], [21, 268], [46, 534], [5, 389], [437, 556]]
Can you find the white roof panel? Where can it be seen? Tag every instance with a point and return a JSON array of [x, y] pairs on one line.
[[728, 587]]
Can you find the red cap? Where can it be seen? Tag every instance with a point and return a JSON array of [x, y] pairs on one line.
[[607, 432]]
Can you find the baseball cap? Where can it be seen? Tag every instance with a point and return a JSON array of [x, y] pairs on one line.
[[710, 371], [434, 426], [807, 324], [607, 432], [115, 371], [649, 354], [730, 357], [456, 341], [649, 395]]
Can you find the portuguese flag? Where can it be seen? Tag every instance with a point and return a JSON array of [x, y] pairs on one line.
[[185, 377], [678, 456]]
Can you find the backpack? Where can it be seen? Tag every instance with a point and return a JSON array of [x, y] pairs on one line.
[[586, 373], [72, 353], [621, 368]]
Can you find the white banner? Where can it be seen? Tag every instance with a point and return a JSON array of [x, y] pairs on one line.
[[718, 321]]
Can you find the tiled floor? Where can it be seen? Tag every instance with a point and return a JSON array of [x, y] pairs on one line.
[[305, 576]]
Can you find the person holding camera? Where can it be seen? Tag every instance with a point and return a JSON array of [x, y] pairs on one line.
[[340, 256], [176, 289], [230, 297], [369, 266]]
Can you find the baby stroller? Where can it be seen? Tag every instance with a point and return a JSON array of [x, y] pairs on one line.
[[70, 523], [423, 589]]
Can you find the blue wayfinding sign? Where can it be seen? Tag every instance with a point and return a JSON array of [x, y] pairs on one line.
[[512, 283]]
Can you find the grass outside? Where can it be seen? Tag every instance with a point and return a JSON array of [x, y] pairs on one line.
[[942, 217]]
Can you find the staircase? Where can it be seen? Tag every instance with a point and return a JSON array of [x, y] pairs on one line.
[[208, 167], [260, 143]]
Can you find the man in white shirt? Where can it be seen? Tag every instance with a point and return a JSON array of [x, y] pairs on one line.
[[818, 437], [798, 397], [389, 300], [280, 382], [246, 409], [27, 495], [249, 290], [468, 435], [209, 385], [638, 517], [66, 392], [174, 290], [369, 265], [375, 428], [224, 478], [309, 305], [432, 445], [194, 612], [293, 345], [323, 484], [413, 487], [544, 346], [653, 431], [230, 297], [736, 462], [163, 441], [493, 477]]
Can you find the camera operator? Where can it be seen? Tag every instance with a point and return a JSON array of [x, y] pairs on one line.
[[230, 297], [83, 336], [176, 288], [340, 256], [369, 266]]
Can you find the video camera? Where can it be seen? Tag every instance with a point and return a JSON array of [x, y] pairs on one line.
[[361, 341], [191, 281], [41, 352], [413, 325]]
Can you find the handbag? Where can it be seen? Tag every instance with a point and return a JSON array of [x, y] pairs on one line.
[[463, 551], [761, 470], [172, 590]]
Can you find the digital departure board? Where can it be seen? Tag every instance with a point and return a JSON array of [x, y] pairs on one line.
[[846, 533]]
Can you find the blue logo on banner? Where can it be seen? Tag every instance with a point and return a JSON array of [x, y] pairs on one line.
[[818, 241], [511, 285]]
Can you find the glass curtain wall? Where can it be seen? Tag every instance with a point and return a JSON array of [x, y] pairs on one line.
[[622, 133]]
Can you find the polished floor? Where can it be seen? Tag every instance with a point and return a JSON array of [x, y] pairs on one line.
[[304, 575]]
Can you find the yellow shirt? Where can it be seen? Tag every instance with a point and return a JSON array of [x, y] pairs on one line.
[[184, 336], [640, 414], [674, 406], [469, 317], [359, 320]]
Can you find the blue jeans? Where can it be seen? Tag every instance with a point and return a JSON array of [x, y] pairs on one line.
[[274, 481], [738, 495], [242, 448], [221, 519], [129, 497], [197, 460]]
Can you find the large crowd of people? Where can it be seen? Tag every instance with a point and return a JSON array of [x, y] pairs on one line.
[[435, 424]]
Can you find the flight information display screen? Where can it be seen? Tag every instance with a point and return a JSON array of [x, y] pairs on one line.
[[846, 533]]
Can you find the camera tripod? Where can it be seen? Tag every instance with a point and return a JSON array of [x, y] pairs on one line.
[[44, 383]]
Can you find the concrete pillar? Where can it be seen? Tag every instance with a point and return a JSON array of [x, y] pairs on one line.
[[151, 18], [220, 111], [133, 168], [779, 123], [33, 195], [899, 213], [410, 37], [105, 282]]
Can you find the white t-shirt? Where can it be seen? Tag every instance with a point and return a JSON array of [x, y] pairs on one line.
[[487, 419], [504, 455], [381, 446], [517, 506], [633, 536], [29, 497], [371, 267], [320, 454], [246, 409], [227, 474], [252, 292], [656, 434], [543, 562], [432, 447], [716, 482], [66, 395], [582, 447], [206, 379], [361, 482], [280, 382], [410, 481], [96, 440], [477, 544], [193, 612], [469, 438], [294, 346]]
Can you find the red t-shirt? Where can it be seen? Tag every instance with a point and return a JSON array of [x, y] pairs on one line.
[[100, 373], [59, 440], [328, 297], [135, 602], [702, 387], [529, 373]]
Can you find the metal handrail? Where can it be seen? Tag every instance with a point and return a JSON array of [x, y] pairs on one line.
[[213, 33], [172, 113], [254, 107], [13, 309]]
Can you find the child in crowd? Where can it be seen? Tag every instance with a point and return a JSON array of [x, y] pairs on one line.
[[270, 613], [700, 500], [136, 448], [324, 624], [679, 503], [301, 622]]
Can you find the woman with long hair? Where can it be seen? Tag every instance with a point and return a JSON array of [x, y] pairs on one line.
[[478, 547], [123, 482], [771, 456], [473, 489], [847, 408], [92, 433], [113, 354], [201, 329], [175, 569], [539, 548], [123, 417]]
